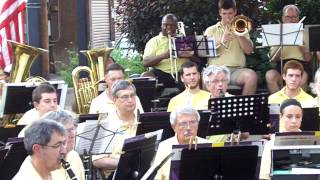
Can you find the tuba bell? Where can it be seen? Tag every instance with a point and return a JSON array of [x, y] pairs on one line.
[[84, 88], [98, 60], [240, 25], [23, 58]]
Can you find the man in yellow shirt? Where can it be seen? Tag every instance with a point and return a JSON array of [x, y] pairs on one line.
[[157, 55], [292, 75], [192, 95], [290, 14], [232, 48]]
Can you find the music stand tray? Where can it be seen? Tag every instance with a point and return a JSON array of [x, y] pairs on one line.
[[10, 132], [229, 163], [139, 151], [245, 113], [22, 93]]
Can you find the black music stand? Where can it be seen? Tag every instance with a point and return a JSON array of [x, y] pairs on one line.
[[310, 120], [13, 159], [9, 132], [199, 46], [245, 113], [138, 151], [22, 93], [313, 37], [146, 91], [87, 117], [152, 121], [227, 163]]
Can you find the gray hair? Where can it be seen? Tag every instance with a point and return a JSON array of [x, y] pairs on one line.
[[184, 110], [121, 85], [40, 132], [290, 6], [316, 80], [62, 116], [207, 72]]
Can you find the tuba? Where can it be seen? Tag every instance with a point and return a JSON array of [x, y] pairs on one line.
[[23, 59], [85, 88], [98, 59]]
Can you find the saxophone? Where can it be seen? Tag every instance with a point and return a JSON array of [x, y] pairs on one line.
[[67, 167]]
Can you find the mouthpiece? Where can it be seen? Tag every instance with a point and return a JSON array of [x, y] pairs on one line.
[[222, 94]]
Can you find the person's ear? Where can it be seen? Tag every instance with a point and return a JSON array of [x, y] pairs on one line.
[[35, 104]]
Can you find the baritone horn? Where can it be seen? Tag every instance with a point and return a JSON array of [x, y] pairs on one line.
[[23, 58], [98, 60], [84, 88]]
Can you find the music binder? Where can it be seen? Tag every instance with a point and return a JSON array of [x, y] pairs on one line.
[[138, 152], [13, 159], [214, 163], [248, 113]]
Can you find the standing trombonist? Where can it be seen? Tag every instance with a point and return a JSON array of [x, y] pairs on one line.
[[232, 48]]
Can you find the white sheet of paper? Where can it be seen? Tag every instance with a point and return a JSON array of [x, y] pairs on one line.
[[292, 34]]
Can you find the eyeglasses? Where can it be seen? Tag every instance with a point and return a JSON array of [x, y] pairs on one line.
[[291, 17], [188, 124], [57, 145], [127, 97], [216, 81]]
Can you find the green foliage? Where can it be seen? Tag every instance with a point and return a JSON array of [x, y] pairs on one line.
[[141, 20], [132, 64], [65, 70]]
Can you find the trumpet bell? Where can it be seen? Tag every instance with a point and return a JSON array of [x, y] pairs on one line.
[[241, 25]]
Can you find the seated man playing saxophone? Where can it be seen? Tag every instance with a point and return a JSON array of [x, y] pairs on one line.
[[232, 48]]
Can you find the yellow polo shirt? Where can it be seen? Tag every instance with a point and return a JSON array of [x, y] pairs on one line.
[[289, 52], [198, 101], [158, 45], [305, 99], [233, 56]]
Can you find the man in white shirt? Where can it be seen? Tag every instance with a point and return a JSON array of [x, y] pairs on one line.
[[184, 121], [104, 102], [44, 99], [45, 142]]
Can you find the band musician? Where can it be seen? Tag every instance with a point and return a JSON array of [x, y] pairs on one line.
[[124, 117], [104, 102], [290, 14], [45, 142], [44, 98], [157, 53], [192, 95], [184, 121], [232, 48]]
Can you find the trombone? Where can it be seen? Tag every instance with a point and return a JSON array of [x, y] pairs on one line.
[[240, 25], [173, 50]]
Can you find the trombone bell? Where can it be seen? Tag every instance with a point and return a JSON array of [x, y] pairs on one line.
[[241, 25]]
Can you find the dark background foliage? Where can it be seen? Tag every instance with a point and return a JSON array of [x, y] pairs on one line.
[[141, 20]]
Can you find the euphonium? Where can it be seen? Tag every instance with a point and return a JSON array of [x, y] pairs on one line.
[[240, 25], [98, 59], [23, 59], [85, 88]]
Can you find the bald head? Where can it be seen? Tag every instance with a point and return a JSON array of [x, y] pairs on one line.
[[169, 24]]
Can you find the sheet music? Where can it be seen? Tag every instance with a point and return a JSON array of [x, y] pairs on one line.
[[292, 34], [206, 46], [104, 142], [299, 138]]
